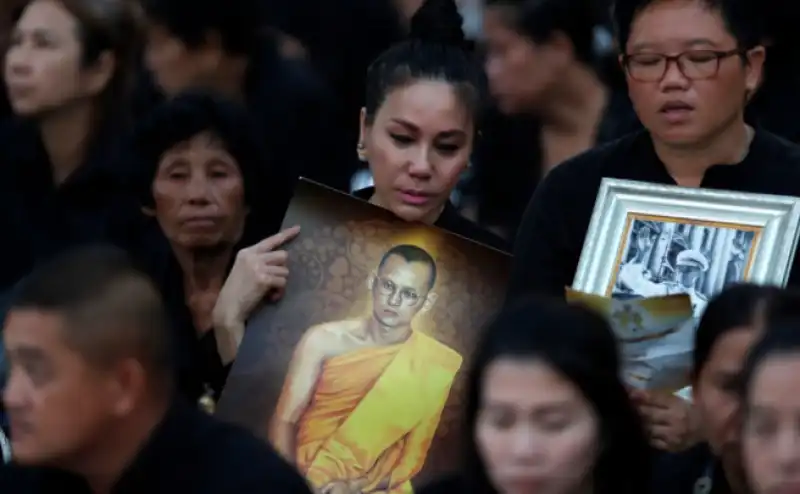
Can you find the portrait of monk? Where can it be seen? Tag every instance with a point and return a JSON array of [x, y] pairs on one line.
[[363, 397]]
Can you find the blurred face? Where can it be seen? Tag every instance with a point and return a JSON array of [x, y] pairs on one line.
[[715, 395], [198, 193], [58, 405], [175, 67], [43, 68], [400, 291], [417, 146], [688, 275], [535, 431], [687, 107], [521, 72], [771, 433]]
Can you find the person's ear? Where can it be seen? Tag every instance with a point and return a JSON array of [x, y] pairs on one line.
[[430, 301], [128, 385], [98, 76], [371, 280], [754, 69], [148, 211]]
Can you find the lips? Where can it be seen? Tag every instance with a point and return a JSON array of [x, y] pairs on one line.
[[676, 111], [414, 197]]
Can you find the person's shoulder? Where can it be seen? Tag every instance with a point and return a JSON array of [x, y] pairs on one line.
[[782, 152], [242, 461], [322, 336], [676, 473]]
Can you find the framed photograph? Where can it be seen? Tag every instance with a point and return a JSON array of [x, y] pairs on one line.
[[357, 375], [648, 240]]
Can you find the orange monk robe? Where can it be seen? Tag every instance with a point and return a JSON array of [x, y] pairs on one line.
[[374, 414]]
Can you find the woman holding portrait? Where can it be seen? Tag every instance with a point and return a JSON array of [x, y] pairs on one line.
[[420, 122], [215, 201]]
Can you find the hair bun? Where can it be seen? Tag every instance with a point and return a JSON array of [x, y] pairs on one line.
[[438, 21]]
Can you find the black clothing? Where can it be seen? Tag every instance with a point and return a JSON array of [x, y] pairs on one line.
[[40, 219], [678, 473], [452, 221], [446, 485], [554, 226], [508, 159], [190, 452]]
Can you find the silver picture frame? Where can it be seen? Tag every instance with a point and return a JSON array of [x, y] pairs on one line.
[[764, 228], [5, 448]]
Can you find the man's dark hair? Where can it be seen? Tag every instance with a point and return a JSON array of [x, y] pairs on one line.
[[741, 18], [240, 24], [412, 253], [110, 309]]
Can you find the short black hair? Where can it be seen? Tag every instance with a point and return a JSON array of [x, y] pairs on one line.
[[240, 24], [110, 309], [539, 20], [267, 185], [436, 51], [741, 18], [412, 253]]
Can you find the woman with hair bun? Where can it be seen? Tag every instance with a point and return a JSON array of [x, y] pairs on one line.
[[420, 119]]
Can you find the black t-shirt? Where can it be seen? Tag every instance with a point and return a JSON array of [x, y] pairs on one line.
[[189, 453], [550, 238], [685, 472]]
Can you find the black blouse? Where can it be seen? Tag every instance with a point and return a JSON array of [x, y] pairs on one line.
[[550, 238]]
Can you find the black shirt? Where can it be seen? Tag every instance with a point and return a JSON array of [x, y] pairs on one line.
[[189, 453], [681, 473], [452, 221], [40, 219], [552, 232]]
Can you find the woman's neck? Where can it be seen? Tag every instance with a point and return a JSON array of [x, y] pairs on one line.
[[66, 135], [688, 164], [429, 218], [203, 269], [578, 104]]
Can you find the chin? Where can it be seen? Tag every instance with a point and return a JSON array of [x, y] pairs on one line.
[[25, 110], [410, 213]]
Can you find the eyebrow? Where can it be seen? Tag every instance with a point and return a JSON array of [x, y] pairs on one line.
[[688, 44], [28, 353], [445, 134]]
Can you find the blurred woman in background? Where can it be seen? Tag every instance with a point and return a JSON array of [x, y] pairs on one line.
[[556, 96], [546, 412], [731, 324], [770, 396], [67, 71]]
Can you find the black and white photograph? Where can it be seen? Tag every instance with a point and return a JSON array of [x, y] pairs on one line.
[[669, 257]]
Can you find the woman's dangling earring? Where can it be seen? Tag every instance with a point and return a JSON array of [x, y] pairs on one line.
[[361, 150]]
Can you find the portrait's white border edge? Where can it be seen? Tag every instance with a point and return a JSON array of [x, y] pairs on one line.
[[778, 217]]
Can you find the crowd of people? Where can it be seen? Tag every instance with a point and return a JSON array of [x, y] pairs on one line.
[[148, 153]]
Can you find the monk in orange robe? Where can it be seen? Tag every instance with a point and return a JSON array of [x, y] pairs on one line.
[[362, 398]]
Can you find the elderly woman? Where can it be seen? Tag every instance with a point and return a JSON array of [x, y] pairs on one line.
[[216, 202]]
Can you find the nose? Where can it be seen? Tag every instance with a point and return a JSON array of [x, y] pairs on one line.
[[198, 190], [525, 444], [395, 299], [787, 451], [13, 394], [17, 61], [673, 77], [420, 164]]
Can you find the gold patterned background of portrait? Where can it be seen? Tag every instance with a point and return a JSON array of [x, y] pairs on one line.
[[341, 242]]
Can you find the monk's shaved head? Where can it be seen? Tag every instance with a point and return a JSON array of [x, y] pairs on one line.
[[110, 310], [412, 253]]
